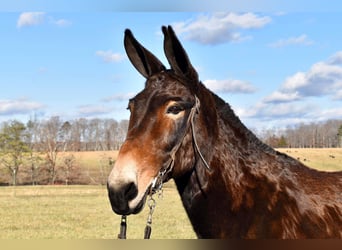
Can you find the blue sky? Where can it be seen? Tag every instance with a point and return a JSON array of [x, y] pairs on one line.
[[274, 67]]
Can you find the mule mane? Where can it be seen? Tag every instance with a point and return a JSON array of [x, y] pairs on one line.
[[262, 192], [231, 121], [228, 115]]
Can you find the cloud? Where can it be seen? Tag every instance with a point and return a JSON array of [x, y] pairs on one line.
[[30, 19], [338, 95], [283, 114], [19, 106], [278, 96], [229, 86], [220, 28], [299, 40], [322, 79], [278, 112], [297, 98], [61, 22], [336, 59], [94, 110], [109, 57], [42, 70], [327, 114], [27, 19], [119, 97]]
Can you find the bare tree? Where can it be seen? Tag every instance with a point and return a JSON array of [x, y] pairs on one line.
[[106, 163], [66, 135], [313, 135], [52, 139], [69, 165], [34, 160]]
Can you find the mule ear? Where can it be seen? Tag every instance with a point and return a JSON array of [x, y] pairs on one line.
[[142, 59], [176, 55]]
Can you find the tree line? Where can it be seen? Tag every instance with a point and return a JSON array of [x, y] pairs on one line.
[[33, 151], [326, 134], [75, 135]]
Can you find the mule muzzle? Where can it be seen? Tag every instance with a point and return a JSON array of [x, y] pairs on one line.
[[120, 199]]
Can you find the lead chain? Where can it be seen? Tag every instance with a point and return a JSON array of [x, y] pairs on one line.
[[148, 229]]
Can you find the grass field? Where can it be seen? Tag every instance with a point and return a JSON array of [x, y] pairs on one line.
[[326, 159], [83, 212]]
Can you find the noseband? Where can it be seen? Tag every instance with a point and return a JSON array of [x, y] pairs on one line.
[[164, 173]]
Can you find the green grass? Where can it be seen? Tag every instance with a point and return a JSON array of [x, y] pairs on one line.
[[83, 212]]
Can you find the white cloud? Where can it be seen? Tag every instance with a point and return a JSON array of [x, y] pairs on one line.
[[299, 40], [278, 111], [333, 113], [295, 81], [220, 27], [278, 96], [281, 115], [19, 106], [108, 56], [322, 79], [302, 98], [229, 86], [42, 70], [36, 18], [338, 95], [62, 22], [94, 110], [119, 97], [30, 19], [336, 58], [298, 98]]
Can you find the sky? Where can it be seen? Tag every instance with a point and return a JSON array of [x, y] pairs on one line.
[[277, 66]]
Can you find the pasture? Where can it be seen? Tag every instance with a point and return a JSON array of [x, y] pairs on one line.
[[325, 159], [83, 212]]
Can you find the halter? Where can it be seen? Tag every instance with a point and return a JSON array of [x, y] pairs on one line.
[[157, 183]]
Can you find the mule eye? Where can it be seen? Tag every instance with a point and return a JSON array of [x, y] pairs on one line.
[[175, 109]]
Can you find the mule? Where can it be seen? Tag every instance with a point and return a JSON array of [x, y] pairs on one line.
[[231, 184]]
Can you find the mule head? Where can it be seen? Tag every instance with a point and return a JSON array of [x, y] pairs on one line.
[[159, 123]]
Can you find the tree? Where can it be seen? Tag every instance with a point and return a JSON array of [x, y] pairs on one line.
[[34, 160], [69, 167], [282, 142], [13, 147], [66, 134], [53, 140], [339, 136]]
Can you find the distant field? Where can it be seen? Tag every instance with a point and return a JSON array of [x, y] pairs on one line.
[[326, 159]]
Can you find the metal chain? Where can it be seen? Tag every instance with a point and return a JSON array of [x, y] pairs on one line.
[[148, 229]]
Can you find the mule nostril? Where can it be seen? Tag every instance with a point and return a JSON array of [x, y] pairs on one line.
[[130, 191]]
